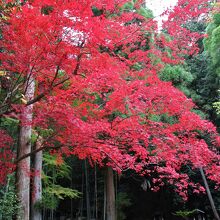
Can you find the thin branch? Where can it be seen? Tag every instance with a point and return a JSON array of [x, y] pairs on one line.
[[77, 64], [36, 99], [114, 161], [33, 152], [209, 194], [56, 74], [43, 94]]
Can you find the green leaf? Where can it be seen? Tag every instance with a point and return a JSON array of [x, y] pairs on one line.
[[147, 13], [62, 192]]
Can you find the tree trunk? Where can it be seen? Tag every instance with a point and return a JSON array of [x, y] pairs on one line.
[[110, 195], [96, 195], [71, 201], [36, 213], [88, 207], [209, 194], [82, 198], [104, 205], [24, 147]]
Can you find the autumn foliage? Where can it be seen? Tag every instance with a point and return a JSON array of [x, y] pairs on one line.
[[6, 156], [97, 92]]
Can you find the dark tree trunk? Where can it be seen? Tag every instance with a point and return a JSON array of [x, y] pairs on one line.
[[95, 198], [104, 205], [88, 207]]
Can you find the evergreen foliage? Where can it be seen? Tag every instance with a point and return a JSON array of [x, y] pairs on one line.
[[54, 170], [9, 204]]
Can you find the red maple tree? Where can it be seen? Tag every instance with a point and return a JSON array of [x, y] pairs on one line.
[[83, 56]]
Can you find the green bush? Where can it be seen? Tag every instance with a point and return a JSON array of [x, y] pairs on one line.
[[9, 205]]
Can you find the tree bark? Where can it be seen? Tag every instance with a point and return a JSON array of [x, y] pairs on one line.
[[24, 147], [36, 196], [110, 195], [88, 207], [209, 194], [104, 205], [96, 194]]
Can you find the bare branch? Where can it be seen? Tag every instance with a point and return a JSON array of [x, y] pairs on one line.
[[33, 152]]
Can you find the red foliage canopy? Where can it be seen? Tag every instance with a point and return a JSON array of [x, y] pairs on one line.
[[6, 156], [98, 94]]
